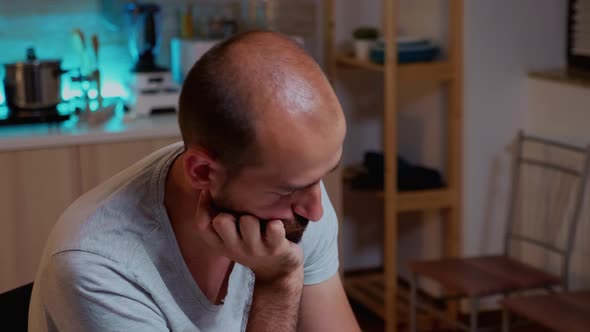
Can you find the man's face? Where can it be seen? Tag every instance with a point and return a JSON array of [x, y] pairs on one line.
[[286, 185]]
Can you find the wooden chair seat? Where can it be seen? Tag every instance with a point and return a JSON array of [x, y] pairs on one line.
[[565, 312], [480, 276], [521, 275]]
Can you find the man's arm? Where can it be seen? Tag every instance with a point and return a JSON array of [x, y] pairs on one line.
[[81, 291], [275, 306], [324, 307]]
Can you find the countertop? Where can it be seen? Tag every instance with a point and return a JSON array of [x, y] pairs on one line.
[[75, 132], [564, 75]]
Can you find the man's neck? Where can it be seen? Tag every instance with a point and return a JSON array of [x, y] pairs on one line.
[[210, 270]]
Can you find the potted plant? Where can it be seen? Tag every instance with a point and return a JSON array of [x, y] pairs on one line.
[[364, 37]]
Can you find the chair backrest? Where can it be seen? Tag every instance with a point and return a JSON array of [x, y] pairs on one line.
[[14, 308], [548, 185]]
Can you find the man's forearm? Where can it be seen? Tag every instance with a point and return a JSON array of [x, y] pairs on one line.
[[275, 305]]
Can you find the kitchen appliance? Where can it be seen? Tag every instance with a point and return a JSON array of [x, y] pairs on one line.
[[33, 84], [152, 88], [185, 52]]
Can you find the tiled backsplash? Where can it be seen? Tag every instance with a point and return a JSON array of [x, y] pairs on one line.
[[47, 26]]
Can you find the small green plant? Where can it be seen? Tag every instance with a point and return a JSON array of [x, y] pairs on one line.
[[365, 32]]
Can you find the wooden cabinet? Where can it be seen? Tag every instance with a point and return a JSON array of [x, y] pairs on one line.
[[99, 162], [36, 186]]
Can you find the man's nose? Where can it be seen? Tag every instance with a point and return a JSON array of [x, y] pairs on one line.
[[308, 203]]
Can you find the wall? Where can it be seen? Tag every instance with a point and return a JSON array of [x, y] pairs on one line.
[[503, 41]]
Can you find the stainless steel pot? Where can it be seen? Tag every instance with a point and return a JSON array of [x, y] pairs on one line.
[[33, 84]]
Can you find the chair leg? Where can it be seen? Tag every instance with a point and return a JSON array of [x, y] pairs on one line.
[[413, 303], [474, 308], [505, 320]]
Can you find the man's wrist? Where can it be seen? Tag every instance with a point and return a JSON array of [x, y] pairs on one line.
[[291, 282]]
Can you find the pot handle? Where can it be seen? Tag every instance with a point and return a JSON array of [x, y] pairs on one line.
[[59, 71]]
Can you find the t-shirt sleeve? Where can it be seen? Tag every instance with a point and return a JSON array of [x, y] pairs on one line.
[[82, 291], [320, 245]]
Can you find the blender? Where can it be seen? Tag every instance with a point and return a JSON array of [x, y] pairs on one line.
[[152, 87]]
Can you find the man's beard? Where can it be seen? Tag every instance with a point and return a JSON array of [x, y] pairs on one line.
[[294, 228]]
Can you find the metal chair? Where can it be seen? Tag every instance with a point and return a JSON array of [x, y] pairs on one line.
[[548, 183]]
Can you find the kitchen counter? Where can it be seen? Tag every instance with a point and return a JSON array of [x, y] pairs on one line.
[[74, 132]]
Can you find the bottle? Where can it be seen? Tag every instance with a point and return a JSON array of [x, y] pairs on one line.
[[186, 23]]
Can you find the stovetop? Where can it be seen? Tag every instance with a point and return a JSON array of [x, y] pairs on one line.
[[12, 116]]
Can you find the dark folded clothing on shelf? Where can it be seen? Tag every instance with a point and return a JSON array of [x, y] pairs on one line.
[[409, 176]]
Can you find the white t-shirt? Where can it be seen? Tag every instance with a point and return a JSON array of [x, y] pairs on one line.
[[112, 263]]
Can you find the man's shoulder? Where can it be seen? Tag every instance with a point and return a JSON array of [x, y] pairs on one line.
[[112, 219], [99, 227]]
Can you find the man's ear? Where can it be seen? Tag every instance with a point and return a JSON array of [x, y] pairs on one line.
[[198, 167]]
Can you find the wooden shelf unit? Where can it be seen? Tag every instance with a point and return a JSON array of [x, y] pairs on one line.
[[379, 292], [424, 200], [419, 200]]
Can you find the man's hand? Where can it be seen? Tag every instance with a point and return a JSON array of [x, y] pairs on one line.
[[269, 255], [277, 263]]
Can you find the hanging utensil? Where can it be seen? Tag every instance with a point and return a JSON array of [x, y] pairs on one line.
[[95, 48]]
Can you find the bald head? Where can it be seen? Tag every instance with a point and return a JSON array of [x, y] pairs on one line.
[[273, 68], [249, 91]]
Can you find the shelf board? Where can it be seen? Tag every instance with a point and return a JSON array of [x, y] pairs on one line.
[[368, 289], [424, 200], [419, 200], [347, 60], [420, 71]]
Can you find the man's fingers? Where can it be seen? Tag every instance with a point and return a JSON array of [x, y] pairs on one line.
[[275, 233], [250, 231], [225, 226]]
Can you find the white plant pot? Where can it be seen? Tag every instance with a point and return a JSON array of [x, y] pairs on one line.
[[362, 48]]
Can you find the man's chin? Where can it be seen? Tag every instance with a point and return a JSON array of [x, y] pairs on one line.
[[294, 231]]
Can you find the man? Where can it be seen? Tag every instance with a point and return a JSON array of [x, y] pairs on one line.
[[213, 234]]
